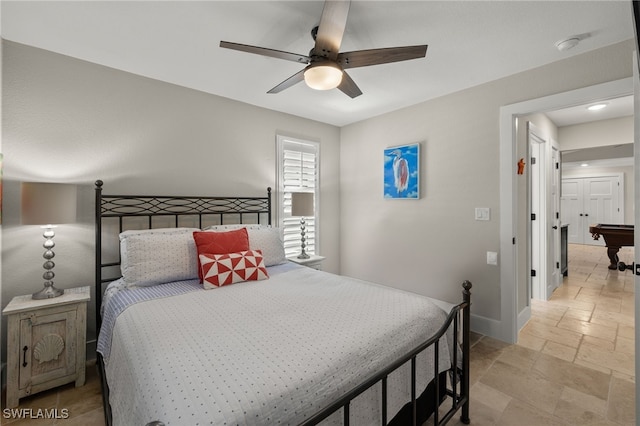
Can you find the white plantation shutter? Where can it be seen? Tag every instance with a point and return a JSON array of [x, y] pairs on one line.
[[297, 172]]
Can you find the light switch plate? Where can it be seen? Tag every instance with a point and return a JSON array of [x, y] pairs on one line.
[[483, 213], [492, 258]]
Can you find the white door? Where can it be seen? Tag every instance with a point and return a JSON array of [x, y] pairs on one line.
[[554, 246], [591, 200], [601, 197], [538, 218], [571, 209]]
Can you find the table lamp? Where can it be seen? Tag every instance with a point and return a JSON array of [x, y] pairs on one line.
[[302, 206], [48, 204]]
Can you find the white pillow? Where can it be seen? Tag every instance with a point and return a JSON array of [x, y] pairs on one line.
[[261, 237], [156, 256], [269, 240]]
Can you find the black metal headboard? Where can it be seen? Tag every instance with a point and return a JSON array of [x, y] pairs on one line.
[[122, 212]]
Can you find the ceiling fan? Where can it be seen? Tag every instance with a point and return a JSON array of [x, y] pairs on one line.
[[325, 64]]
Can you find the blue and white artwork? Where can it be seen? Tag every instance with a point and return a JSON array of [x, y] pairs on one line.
[[402, 172]]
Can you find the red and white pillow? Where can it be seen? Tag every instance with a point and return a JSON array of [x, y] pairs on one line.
[[223, 269]]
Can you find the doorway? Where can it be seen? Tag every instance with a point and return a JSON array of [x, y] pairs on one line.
[[513, 236]]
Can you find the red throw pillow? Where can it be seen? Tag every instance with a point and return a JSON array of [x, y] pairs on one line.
[[220, 243], [223, 269]]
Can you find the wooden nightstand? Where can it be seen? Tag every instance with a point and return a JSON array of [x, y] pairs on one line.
[[46, 343], [313, 261]]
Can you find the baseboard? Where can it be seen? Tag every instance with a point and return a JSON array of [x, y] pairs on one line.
[[523, 317], [488, 327]]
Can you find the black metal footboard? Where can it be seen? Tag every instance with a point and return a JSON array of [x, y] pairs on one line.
[[457, 390]]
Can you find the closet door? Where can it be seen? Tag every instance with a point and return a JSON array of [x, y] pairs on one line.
[[587, 201], [600, 204]]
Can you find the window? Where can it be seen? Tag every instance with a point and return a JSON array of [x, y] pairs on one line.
[[297, 172]]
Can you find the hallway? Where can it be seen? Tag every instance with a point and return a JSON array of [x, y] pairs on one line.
[[574, 360]]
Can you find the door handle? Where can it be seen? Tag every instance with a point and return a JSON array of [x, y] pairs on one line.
[[554, 227]]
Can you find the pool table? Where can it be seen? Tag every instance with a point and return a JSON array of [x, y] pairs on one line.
[[615, 236]]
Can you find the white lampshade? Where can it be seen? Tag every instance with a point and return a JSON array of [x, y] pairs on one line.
[[48, 203], [302, 204], [325, 76]]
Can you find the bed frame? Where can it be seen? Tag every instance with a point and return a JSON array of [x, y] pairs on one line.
[[122, 212]]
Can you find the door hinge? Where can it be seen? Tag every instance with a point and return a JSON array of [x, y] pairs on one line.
[[557, 165], [533, 272], [513, 240], [557, 265], [533, 216], [557, 215], [533, 160]]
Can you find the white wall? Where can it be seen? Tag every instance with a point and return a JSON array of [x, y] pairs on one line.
[[615, 131], [429, 246], [67, 120]]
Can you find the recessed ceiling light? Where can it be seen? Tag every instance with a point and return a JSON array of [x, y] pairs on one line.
[[584, 165], [597, 107]]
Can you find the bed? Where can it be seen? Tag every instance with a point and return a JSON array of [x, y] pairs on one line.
[[243, 336]]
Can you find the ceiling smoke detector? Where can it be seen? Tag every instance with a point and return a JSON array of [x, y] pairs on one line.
[[567, 43]]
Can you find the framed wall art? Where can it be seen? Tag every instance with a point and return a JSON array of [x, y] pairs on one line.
[[402, 172]]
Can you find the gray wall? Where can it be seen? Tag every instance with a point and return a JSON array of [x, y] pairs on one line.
[[66, 120]]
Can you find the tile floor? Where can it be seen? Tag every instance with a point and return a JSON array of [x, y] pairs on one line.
[[573, 363], [574, 360]]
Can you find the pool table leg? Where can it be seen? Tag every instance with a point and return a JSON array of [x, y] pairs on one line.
[[612, 252]]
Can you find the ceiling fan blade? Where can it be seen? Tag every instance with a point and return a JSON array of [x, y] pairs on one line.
[[331, 28], [349, 87], [293, 80], [363, 58], [266, 52]]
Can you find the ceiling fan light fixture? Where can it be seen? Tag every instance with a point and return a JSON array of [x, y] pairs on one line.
[[324, 76]]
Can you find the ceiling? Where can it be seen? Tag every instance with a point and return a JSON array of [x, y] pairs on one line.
[[618, 107], [470, 43]]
